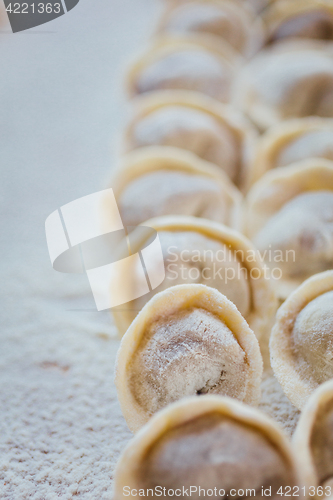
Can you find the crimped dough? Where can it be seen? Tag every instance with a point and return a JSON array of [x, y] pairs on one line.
[[156, 181], [212, 442], [190, 120], [201, 251], [195, 63], [224, 19], [187, 340], [301, 341]]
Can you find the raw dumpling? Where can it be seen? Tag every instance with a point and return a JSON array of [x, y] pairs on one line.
[[224, 19], [301, 343], [201, 251], [211, 442], [299, 19], [188, 63], [289, 219], [293, 141], [188, 340], [303, 225], [158, 181], [194, 122], [289, 80]]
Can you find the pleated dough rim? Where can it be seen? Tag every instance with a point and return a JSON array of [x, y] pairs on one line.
[[181, 412], [263, 300], [252, 24], [283, 361], [165, 45], [246, 134], [281, 135], [155, 158], [163, 305]]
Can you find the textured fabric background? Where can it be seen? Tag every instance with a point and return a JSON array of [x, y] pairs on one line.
[[62, 108]]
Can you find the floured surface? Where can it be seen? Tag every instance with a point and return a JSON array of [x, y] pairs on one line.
[[61, 426], [61, 430]]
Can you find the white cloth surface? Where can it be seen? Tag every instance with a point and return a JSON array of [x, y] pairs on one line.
[[62, 110]]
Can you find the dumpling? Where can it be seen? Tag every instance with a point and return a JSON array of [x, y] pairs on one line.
[[227, 20], [192, 121], [292, 141], [289, 219], [288, 80], [211, 442], [200, 251], [301, 343], [299, 19], [158, 181], [185, 63], [313, 440], [256, 5], [187, 340]]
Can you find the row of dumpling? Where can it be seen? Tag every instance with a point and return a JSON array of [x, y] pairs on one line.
[[203, 46], [190, 155], [220, 448], [190, 160], [287, 212], [188, 151], [191, 340], [196, 62]]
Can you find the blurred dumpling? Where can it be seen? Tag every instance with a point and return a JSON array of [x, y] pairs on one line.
[[293, 141], [289, 219], [210, 442], [301, 344], [288, 80], [299, 19], [253, 5], [192, 121], [200, 251], [158, 181], [188, 340], [185, 63], [227, 20]]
